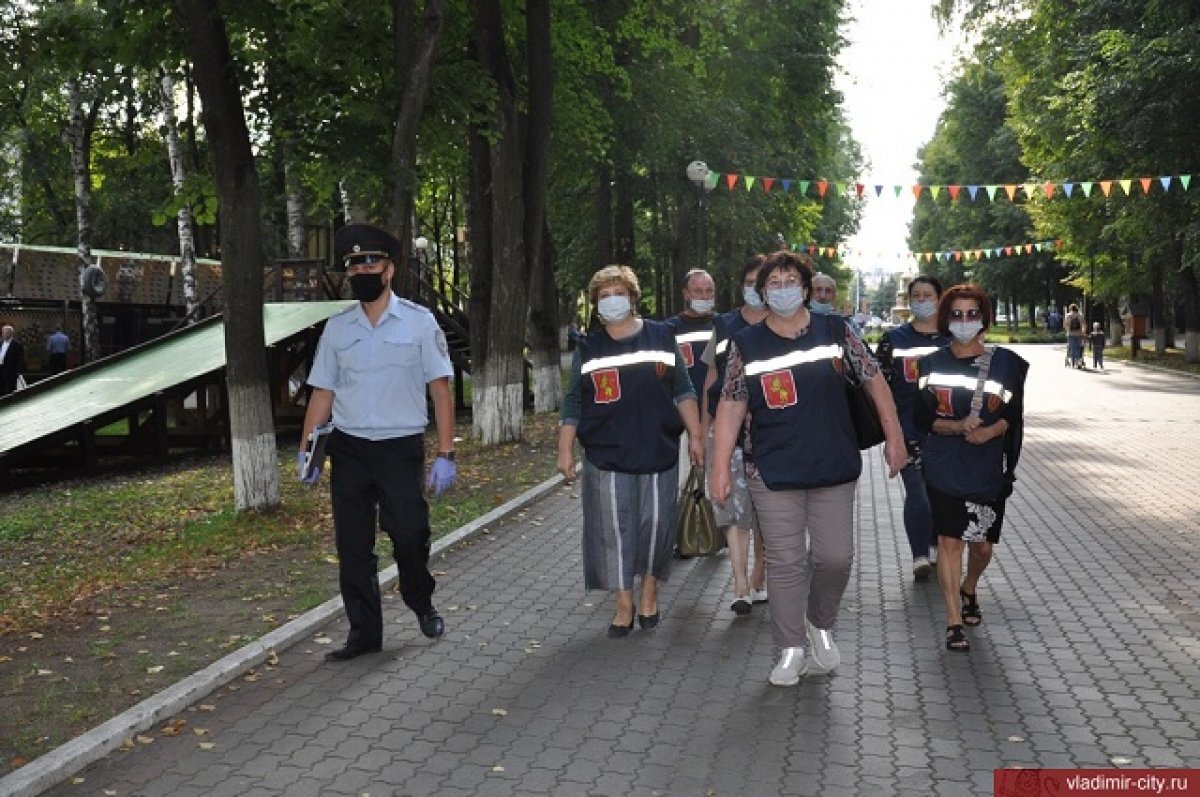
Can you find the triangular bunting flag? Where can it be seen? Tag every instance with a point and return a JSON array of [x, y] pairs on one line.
[[767, 183], [1048, 189], [787, 184], [1106, 186], [803, 189], [1029, 189], [898, 189], [879, 190], [731, 180], [1126, 186], [934, 190], [822, 187], [972, 190], [1011, 190], [749, 181], [1028, 249], [916, 189], [1165, 182], [1145, 181], [1068, 188], [1087, 188], [1008, 251], [858, 189], [839, 189], [958, 256], [710, 182], [954, 189], [1185, 180], [1038, 246], [991, 192], [928, 256]]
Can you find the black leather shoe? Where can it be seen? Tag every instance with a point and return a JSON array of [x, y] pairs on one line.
[[432, 624], [648, 621], [618, 631], [351, 651]]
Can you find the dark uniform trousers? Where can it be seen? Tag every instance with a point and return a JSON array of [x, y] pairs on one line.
[[384, 476]]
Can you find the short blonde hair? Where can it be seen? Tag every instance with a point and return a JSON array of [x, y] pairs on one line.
[[615, 275]]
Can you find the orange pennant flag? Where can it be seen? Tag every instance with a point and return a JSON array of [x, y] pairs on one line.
[[1106, 186], [954, 189], [731, 180], [1146, 185], [1049, 189], [917, 192], [1028, 249], [822, 187], [1011, 190], [767, 182]]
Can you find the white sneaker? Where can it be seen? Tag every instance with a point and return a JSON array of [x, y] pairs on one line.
[[758, 595], [791, 666], [824, 650], [921, 568]]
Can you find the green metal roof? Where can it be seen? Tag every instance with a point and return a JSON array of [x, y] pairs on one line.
[[130, 376]]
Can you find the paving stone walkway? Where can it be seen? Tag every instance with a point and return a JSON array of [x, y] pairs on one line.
[[1089, 655]]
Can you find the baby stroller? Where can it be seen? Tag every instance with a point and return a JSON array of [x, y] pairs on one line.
[[1074, 357]]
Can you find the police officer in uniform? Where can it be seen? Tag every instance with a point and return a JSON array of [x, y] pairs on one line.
[[370, 374]]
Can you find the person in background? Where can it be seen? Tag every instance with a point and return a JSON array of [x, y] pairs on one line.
[[628, 400], [58, 345], [824, 293], [899, 351], [802, 458], [1076, 333], [736, 515], [970, 407], [693, 327], [373, 365], [1097, 342], [12, 360]]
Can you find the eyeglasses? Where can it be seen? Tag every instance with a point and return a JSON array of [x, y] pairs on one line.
[[972, 314]]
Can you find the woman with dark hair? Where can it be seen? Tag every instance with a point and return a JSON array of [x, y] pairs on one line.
[[970, 405], [736, 515], [628, 401], [802, 456], [899, 351]]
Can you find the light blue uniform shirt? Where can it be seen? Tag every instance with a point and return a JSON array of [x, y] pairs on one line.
[[378, 374]]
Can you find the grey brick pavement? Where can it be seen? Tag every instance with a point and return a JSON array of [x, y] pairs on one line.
[[1089, 654]]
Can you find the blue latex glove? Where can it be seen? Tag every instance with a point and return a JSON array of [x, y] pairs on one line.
[[316, 471], [441, 476]]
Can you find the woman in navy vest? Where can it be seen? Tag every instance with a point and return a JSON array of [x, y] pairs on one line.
[[899, 351], [802, 458], [628, 401], [736, 515], [971, 408]]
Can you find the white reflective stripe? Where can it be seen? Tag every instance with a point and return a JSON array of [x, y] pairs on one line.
[[722, 346], [692, 337], [916, 351], [962, 380], [632, 358], [827, 352]]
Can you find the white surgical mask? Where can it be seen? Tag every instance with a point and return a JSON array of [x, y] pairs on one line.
[[702, 306], [924, 309], [820, 307], [965, 331], [785, 301], [613, 309], [751, 297]]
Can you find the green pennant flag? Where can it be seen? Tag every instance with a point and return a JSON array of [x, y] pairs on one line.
[[749, 181], [1185, 180], [934, 190], [803, 187], [839, 188], [712, 179], [1087, 188], [991, 192], [897, 189]]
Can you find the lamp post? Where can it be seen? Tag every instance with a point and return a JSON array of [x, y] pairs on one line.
[[699, 174], [420, 245]]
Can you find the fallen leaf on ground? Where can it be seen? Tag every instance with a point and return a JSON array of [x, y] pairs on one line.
[[16, 762], [145, 739], [207, 745], [499, 712], [174, 727], [207, 707], [273, 659], [45, 672], [157, 668]]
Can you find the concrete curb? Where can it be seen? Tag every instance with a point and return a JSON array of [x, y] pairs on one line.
[[69, 758]]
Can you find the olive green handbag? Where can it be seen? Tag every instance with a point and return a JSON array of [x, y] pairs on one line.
[[696, 531]]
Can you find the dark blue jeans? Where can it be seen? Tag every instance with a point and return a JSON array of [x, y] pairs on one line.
[[918, 517]]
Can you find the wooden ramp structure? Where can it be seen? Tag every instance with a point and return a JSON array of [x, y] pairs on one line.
[[166, 394]]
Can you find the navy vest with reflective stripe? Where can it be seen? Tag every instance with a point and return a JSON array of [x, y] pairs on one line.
[[908, 347], [801, 434], [724, 328], [629, 422], [977, 470], [692, 335]]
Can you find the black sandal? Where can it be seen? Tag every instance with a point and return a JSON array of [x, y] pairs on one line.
[[970, 608], [956, 639]]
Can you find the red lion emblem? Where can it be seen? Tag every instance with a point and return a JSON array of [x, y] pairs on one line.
[[779, 387], [607, 384]]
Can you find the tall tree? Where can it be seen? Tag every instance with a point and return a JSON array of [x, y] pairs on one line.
[[255, 464], [80, 124], [183, 216]]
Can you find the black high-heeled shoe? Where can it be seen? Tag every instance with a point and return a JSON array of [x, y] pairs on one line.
[[648, 621], [618, 631]]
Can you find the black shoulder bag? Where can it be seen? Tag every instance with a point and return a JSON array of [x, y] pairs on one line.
[[867, 426]]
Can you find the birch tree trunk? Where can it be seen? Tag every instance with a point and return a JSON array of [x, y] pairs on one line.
[[187, 242], [351, 210], [252, 426], [297, 239], [77, 139]]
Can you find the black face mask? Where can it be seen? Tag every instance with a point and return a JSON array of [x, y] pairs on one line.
[[366, 287]]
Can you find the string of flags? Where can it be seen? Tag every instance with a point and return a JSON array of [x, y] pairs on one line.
[[958, 255], [973, 192]]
